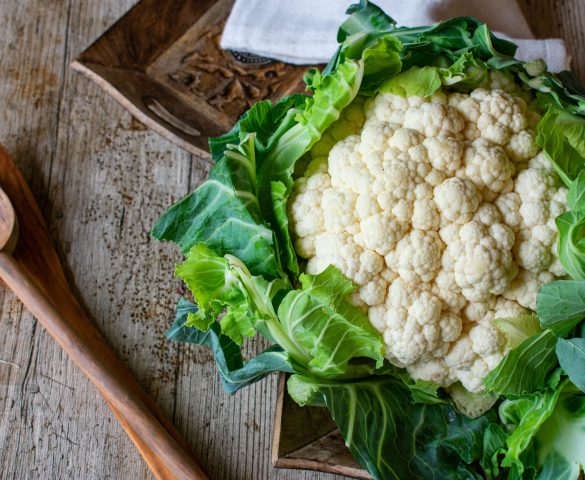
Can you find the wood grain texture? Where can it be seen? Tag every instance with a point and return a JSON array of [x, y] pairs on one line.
[[31, 268], [101, 179], [562, 19]]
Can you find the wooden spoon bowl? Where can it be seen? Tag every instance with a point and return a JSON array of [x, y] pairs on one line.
[[8, 224]]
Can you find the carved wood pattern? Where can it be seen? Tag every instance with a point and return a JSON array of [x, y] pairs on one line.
[[227, 84]]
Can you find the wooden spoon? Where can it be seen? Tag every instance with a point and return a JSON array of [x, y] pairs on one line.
[[56, 308], [8, 225]]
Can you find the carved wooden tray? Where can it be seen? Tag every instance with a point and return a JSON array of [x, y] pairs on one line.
[[307, 438], [162, 62]]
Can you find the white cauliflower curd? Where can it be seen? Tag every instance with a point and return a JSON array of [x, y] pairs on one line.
[[441, 210]]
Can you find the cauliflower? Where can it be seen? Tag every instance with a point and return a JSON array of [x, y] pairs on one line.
[[441, 210]]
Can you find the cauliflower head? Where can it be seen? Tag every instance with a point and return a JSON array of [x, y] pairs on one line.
[[441, 210]]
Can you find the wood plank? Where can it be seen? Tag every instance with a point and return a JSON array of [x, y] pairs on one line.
[[563, 19], [55, 424], [101, 180], [32, 53], [27, 255]]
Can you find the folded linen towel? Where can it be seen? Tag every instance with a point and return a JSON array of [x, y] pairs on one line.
[[304, 31]]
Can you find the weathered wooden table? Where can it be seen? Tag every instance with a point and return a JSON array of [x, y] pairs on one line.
[[102, 178]]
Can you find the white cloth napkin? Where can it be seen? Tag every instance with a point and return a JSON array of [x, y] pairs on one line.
[[304, 31]]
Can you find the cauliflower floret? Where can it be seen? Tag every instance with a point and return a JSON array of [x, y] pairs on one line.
[[485, 339], [423, 191], [461, 355], [525, 286], [487, 166], [306, 207], [484, 266], [465, 361], [397, 184], [503, 235], [472, 378], [501, 114], [425, 215], [366, 205], [505, 308], [346, 166], [450, 233], [404, 139], [558, 203], [541, 200], [444, 153], [338, 210], [490, 129], [417, 168], [376, 167], [374, 292], [509, 206], [544, 202], [434, 119], [467, 107], [534, 212], [535, 184], [521, 146], [501, 80], [457, 199], [416, 326], [356, 300], [401, 209], [540, 161], [375, 136], [417, 256], [381, 232], [434, 370], [455, 98], [377, 317], [531, 253], [435, 177], [388, 108], [305, 211], [556, 268], [448, 291], [487, 214], [342, 251], [479, 311]]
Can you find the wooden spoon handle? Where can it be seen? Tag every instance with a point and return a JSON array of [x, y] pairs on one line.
[[160, 470], [86, 347]]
